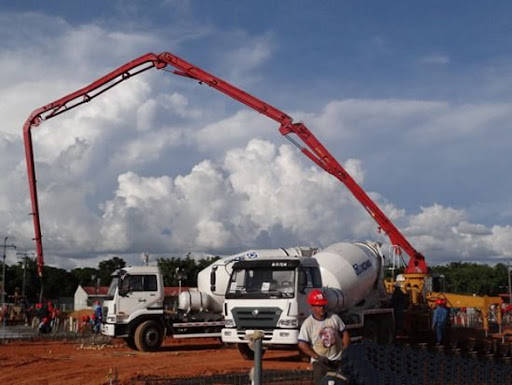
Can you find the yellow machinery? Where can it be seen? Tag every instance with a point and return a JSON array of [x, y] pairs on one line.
[[413, 284], [482, 303]]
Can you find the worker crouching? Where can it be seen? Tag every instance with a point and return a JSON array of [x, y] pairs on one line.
[[323, 337]]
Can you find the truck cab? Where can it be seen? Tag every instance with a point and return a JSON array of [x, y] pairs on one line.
[[269, 294], [134, 308]]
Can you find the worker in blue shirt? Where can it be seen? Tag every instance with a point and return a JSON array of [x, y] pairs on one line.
[[440, 320], [98, 317]]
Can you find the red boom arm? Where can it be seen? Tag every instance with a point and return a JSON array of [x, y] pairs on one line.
[[313, 150]]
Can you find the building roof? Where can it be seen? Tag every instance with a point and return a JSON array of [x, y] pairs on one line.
[[93, 290], [169, 291], [173, 291]]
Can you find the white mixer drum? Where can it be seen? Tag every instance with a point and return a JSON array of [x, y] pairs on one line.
[[350, 270]]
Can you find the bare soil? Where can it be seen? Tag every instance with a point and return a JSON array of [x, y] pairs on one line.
[[47, 362]]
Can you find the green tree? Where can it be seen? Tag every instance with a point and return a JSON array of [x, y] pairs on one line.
[[14, 279], [83, 275], [473, 278], [187, 267], [107, 267], [58, 283]]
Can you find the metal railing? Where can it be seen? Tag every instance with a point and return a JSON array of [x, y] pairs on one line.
[[368, 363]]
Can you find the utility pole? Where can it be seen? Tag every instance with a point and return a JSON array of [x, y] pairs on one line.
[[24, 267], [3, 278]]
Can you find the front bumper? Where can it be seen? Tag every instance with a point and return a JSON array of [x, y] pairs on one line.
[[114, 330], [108, 329], [272, 337]]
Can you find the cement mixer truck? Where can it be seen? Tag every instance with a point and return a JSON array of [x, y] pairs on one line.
[[269, 293], [134, 309]]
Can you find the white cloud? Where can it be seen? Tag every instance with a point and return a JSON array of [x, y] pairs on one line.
[[146, 115], [234, 131], [245, 53], [346, 119], [178, 104], [253, 53], [444, 234], [241, 189], [256, 190]]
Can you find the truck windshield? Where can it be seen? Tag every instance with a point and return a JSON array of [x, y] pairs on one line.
[[113, 287], [261, 282]]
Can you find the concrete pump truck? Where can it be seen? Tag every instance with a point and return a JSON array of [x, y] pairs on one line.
[[353, 272]]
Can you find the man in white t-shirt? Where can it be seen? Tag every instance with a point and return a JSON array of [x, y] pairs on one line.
[[323, 337]]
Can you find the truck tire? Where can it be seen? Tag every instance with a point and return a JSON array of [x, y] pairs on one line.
[[130, 342], [246, 352], [148, 336]]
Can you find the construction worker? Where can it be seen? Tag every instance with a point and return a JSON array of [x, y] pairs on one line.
[[98, 317], [44, 318], [440, 320], [400, 303], [323, 337]]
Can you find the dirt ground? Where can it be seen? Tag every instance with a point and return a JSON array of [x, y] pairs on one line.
[[81, 362]]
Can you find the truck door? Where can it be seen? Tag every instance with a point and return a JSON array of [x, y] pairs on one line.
[[138, 292], [309, 278]]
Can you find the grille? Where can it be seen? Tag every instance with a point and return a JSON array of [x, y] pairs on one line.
[[267, 335], [256, 317]]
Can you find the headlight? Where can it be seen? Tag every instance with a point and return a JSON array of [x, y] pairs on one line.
[[122, 317], [229, 323], [288, 323]]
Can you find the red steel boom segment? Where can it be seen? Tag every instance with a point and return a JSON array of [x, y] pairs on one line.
[[314, 150]]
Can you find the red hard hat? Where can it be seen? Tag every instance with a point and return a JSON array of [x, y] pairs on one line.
[[317, 298]]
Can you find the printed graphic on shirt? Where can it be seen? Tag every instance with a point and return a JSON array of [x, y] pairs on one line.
[[325, 340], [324, 336]]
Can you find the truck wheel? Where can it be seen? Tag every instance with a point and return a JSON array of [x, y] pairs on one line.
[[148, 336], [130, 342], [246, 352]]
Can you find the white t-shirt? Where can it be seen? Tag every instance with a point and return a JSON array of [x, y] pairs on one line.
[[324, 336]]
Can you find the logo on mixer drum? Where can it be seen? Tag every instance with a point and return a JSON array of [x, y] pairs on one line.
[[361, 268]]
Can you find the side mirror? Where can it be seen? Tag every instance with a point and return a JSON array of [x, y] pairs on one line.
[[124, 286], [303, 280], [213, 279]]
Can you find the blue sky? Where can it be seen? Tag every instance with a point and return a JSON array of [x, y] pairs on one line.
[[413, 98]]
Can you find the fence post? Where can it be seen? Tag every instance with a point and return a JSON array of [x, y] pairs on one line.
[[256, 344]]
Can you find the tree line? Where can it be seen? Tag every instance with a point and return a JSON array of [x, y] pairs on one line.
[[459, 277], [57, 282], [473, 278]]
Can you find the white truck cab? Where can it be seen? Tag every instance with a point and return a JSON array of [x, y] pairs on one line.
[[268, 293], [134, 309]]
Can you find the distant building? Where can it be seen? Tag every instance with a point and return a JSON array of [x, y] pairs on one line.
[[171, 294], [174, 291], [85, 296]]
